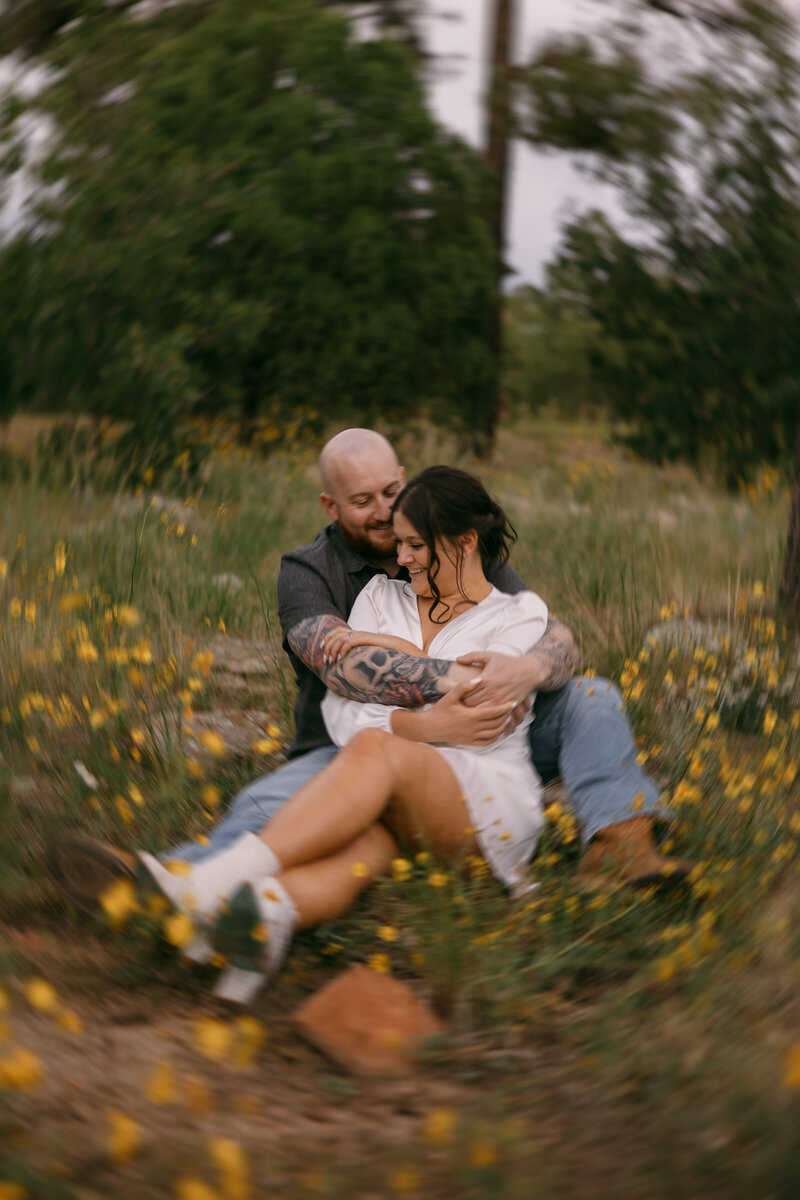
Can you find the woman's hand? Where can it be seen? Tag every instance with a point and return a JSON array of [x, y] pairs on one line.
[[451, 721], [341, 641]]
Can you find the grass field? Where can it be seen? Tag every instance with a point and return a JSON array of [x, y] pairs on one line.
[[599, 1044]]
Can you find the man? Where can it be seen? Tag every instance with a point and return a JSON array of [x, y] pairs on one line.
[[579, 732]]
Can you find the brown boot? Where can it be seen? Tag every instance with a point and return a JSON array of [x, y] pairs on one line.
[[85, 869], [626, 853]]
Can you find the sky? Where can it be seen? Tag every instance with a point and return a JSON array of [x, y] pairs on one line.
[[544, 188]]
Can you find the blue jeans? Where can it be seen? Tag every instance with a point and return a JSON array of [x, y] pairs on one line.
[[253, 806], [580, 733]]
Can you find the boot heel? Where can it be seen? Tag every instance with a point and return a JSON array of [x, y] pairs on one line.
[[238, 986], [199, 950]]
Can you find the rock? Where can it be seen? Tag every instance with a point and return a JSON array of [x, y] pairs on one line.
[[368, 1023], [239, 656], [685, 633], [228, 582], [238, 731]]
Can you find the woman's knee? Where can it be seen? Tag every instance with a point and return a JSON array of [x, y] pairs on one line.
[[369, 743], [368, 747]]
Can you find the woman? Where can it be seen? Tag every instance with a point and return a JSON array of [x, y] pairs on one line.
[[402, 775]]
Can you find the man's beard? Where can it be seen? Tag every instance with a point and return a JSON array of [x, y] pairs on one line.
[[372, 550]]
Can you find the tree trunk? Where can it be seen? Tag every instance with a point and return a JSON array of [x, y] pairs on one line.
[[497, 159], [789, 590]]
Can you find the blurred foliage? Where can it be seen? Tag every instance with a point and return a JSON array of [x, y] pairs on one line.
[[247, 211], [695, 300], [547, 354]]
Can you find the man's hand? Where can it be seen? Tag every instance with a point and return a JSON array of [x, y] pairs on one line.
[[498, 678], [548, 666], [455, 721]]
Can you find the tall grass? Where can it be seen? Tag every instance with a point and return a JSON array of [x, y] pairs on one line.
[[669, 1021]]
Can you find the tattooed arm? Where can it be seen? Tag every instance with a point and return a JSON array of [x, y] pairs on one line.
[[374, 673], [548, 666]]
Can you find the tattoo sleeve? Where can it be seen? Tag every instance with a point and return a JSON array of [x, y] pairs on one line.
[[371, 674], [558, 654]]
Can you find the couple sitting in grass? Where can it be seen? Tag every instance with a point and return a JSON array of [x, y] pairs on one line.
[[417, 651]]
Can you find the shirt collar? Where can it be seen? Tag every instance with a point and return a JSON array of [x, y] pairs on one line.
[[354, 562]]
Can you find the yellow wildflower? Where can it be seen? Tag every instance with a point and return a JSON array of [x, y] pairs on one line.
[[178, 929], [124, 809], [387, 933], [228, 1158], [250, 1037], [193, 1189], [264, 746], [791, 1076], [126, 615], [124, 1137], [438, 879], [404, 1181], [482, 1153], [41, 995], [401, 869], [380, 962], [12, 1191], [440, 1125], [69, 1020], [213, 742], [213, 1037], [160, 1087], [141, 652], [360, 870], [86, 652], [21, 1070], [211, 796], [119, 901]]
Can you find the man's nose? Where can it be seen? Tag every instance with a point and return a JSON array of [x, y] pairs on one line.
[[384, 509]]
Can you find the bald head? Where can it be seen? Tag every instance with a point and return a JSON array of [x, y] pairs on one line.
[[352, 447], [361, 478]]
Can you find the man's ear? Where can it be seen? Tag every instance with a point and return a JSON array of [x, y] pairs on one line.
[[402, 476], [330, 506]]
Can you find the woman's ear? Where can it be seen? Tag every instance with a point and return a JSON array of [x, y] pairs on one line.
[[468, 542]]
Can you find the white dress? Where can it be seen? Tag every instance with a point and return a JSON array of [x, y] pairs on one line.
[[500, 786]]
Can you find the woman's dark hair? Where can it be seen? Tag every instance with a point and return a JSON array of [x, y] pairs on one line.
[[442, 503]]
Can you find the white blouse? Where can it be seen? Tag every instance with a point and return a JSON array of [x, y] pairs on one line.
[[499, 783]]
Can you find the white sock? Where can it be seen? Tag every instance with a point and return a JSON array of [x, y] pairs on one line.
[[199, 889]]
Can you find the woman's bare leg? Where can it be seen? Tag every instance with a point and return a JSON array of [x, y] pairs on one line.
[[377, 776], [326, 888], [256, 928]]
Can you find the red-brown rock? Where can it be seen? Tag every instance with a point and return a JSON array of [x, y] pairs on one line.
[[367, 1022]]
